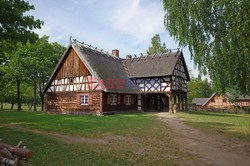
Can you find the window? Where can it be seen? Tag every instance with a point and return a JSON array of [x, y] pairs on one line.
[[128, 100], [113, 99], [224, 100], [84, 99]]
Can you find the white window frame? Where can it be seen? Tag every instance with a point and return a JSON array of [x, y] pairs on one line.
[[84, 99], [113, 99], [128, 100]]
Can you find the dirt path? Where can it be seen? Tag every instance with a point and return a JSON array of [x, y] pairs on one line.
[[68, 138], [213, 149]]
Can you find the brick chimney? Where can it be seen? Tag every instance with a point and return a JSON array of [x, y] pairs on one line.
[[115, 52]]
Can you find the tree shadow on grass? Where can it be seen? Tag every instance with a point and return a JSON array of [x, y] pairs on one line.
[[224, 128], [218, 114]]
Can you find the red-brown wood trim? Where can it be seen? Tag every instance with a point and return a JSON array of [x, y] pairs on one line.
[[124, 99], [133, 99], [108, 99], [118, 99], [90, 99], [78, 97], [101, 101]]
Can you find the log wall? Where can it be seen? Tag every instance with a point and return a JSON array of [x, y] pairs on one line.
[[66, 102], [119, 107], [243, 103], [219, 102]]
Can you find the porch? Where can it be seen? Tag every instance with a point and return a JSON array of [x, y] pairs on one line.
[[164, 102]]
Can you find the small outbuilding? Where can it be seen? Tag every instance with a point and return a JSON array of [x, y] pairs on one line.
[[221, 102]]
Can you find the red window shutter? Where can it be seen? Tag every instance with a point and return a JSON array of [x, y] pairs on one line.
[[118, 99], [124, 100], [109, 99], [78, 98], [90, 99], [133, 99]]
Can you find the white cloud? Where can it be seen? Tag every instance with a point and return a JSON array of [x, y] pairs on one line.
[[127, 25], [137, 19]]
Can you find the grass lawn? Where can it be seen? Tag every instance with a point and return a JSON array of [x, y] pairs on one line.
[[236, 125], [88, 126], [146, 140]]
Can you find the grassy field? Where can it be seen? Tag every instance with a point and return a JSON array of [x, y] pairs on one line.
[[143, 140], [236, 125]]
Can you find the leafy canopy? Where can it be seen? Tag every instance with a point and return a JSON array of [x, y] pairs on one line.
[[14, 25], [198, 88], [217, 35], [156, 46], [29, 63]]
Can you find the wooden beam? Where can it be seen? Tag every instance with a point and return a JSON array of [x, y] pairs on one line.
[[186, 104], [182, 103], [101, 101], [175, 107]]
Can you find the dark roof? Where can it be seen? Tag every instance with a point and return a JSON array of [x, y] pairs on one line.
[[162, 64], [102, 66], [241, 97], [244, 97], [199, 101]]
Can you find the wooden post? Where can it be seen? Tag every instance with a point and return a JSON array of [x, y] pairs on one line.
[[175, 109], [144, 102], [170, 102], [186, 104], [182, 103], [179, 103], [101, 102]]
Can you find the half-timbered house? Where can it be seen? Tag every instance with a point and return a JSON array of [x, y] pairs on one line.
[[216, 101], [162, 79], [88, 80]]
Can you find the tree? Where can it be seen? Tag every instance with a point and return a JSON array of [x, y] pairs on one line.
[[14, 69], [43, 57], [31, 63], [156, 46], [216, 33], [35, 63], [8, 93], [232, 95], [198, 88], [16, 25], [26, 94]]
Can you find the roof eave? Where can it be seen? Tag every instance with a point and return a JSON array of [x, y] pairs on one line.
[[209, 99]]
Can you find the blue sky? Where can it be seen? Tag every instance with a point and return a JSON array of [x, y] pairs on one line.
[[126, 25]]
